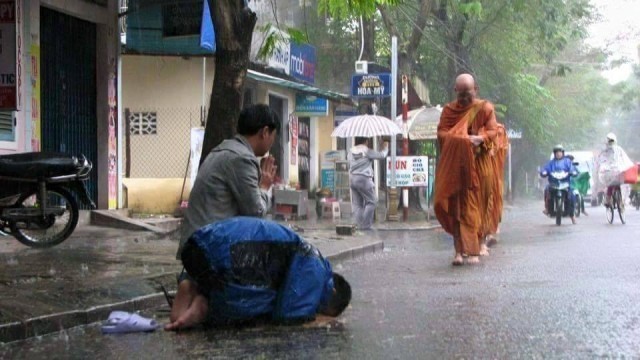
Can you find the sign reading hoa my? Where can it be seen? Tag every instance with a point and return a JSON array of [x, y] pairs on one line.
[[371, 85]]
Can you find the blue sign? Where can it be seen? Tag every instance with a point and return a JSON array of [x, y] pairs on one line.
[[329, 179], [309, 105], [371, 85], [303, 62]]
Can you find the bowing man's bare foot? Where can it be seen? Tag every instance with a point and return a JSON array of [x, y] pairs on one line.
[[195, 314], [187, 291], [457, 260], [484, 250], [471, 260]]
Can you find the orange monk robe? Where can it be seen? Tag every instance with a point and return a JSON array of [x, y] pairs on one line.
[[498, 154], [457, 198]]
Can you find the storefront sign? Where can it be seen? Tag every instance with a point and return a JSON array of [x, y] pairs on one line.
[[10, 54], [514, 134], [303, 62], [309, 105], [371, 85], [410, 171], [328, 179], [280, 58], [328, 168], [197, 139]]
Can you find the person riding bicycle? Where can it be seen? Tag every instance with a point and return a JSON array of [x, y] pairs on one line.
[[559, 163], [611, 163]]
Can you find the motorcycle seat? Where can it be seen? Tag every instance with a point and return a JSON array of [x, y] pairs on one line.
[[38, 164]]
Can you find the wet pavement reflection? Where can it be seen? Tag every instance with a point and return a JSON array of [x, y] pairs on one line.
[[544, 292]]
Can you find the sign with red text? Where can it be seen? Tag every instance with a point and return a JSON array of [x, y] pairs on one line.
[[10, 52], [410, 171]]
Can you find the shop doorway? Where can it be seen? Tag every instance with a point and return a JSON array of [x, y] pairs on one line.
[[68, 93], [304, 153]]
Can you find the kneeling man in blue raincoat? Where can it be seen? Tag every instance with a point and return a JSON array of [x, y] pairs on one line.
[[243, 269]]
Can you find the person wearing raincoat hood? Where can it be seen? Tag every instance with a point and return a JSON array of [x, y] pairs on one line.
[[611, 163], [363, 196]]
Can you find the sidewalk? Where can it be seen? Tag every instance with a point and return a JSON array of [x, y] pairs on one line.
[[100, 269]]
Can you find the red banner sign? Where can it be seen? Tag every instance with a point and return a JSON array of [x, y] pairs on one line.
[[10, 53]]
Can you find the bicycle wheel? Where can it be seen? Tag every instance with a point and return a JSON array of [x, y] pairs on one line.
[[609, 211], [620, 205]]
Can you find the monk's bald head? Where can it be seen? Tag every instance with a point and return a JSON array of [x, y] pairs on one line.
[[465, 80], [466, 89]]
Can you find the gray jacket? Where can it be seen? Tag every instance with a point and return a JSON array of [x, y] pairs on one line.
[[227, 185], [361, 159]]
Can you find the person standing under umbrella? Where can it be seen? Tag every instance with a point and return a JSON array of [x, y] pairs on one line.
[[363, 198]]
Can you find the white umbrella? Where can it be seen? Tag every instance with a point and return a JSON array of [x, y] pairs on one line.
[[366, 126], [422, 123]]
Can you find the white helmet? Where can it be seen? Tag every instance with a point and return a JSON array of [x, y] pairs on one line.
[[611, 137]]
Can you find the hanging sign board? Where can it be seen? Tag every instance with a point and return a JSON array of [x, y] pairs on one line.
[[371, 85], [10, 54], [410, 171], [309, 105]]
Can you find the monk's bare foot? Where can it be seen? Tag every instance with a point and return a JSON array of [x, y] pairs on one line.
[[484, 250], [457, 260], [491, 240], [187, 291], [573, 220], [194, 315], [471, 260]]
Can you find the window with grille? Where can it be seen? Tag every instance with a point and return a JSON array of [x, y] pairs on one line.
[[143, 123], [7, 126]]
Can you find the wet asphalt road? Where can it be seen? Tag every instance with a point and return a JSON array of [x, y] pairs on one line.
[[544, 292]]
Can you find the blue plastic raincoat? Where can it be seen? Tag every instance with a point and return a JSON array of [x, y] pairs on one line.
[[267, 270]]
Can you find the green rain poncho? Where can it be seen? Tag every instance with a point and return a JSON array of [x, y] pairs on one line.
[[581, 183]]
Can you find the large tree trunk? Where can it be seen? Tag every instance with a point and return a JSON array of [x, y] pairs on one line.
[[233, 23]]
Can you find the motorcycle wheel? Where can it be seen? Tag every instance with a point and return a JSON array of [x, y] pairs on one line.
[[559, 211], [636, 201], [576, 206], [54, 229]]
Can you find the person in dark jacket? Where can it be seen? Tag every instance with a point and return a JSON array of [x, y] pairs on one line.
[[242, 269]]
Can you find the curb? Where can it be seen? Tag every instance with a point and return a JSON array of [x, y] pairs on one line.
[[47, 324]]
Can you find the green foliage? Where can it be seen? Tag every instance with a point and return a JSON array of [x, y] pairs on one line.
[[473, 8], [275, 38], [343, 9]]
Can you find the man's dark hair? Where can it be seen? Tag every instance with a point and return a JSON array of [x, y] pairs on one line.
[[341, 297], [255, 117], [360, 140]]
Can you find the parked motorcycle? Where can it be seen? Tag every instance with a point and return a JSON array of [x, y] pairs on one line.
[[559, 197], [37, 202]]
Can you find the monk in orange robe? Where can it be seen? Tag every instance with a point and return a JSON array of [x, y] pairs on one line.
[[498, 154], [466, 129]]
